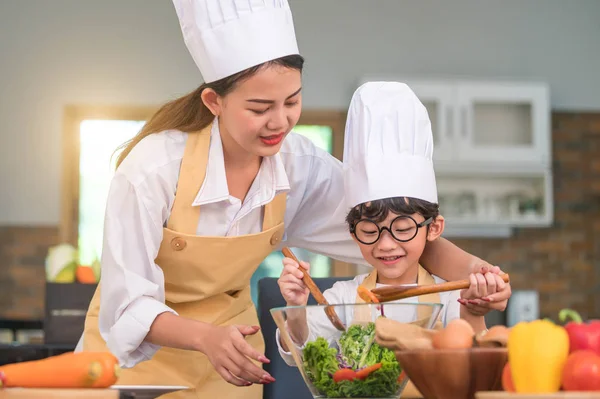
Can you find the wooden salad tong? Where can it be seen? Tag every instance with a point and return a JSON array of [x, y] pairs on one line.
[[395, 292], [316, 292]]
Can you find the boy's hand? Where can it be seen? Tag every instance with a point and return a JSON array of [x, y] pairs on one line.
[[487, 292], [293, 289]]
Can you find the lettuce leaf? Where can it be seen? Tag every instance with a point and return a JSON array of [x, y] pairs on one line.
[[320, 363], [357, 350]]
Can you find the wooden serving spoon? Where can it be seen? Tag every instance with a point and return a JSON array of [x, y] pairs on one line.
[[316, 292], [392, 293]]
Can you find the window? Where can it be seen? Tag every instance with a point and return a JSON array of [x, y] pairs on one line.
[[91, 138], [98, 141]]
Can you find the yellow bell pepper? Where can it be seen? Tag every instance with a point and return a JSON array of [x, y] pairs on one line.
[[537, 352]]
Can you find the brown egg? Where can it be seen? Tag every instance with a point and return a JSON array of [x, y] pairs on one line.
[[458, 334], [497, 336]]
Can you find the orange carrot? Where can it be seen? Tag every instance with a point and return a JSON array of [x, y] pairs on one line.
[[344, 375], [364, 373], [110, 367], [85, 275], [69, 370], [367, 295], [402, 376]]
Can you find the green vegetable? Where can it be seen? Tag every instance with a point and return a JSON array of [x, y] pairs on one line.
[[320, 363], [357, 350]]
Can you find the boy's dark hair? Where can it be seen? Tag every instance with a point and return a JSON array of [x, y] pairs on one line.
[[378, 210]]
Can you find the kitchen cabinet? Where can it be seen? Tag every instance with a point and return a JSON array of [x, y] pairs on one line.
[[480, 202], [492, 152], [439, 99], [489, 122]]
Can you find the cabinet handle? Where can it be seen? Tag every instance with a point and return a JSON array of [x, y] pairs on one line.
[[465, 124], [449, 125]]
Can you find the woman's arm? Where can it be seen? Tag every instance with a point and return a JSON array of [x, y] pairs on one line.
[[477, 322], [132, 285], [315, 219], [316, 209], [178, 332], [448, 261]]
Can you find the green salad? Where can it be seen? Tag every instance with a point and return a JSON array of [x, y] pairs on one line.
[[360, 369]]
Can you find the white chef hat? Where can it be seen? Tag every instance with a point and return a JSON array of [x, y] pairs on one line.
[[228, 36], [388, 145]]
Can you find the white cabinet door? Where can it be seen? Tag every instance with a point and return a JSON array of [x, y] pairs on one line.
[[503, 123], [439, 99]]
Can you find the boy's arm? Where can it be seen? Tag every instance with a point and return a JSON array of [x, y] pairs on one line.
[[477, 322], [307, 326], [297, 327], [448, 261], [455, 310]]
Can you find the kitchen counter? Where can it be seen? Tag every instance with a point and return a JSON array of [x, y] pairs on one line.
[[115, 392]]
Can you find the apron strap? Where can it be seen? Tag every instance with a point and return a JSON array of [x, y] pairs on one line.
[[425, 278], [184, 217], [274, 212]]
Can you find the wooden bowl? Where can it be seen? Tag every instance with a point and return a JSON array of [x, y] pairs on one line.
[[557, 395], [454, 373]]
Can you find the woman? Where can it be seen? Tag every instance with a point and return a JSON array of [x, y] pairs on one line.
[[203, 194]]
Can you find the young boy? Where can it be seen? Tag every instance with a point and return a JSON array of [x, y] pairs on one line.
[[391, 192]]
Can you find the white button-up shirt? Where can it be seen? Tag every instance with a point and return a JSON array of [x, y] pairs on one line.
[[139, 203]]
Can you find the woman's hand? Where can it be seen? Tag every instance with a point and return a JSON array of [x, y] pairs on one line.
[[293, 289], [230, 355], [487, 291]]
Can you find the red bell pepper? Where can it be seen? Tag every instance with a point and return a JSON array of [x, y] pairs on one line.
[[507, 382], [582, 371], [581, 335]]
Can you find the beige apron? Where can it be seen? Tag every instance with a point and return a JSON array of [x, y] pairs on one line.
[[206, 279], [363, 313]]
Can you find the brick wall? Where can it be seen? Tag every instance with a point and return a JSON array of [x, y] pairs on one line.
[[561, 262], [22, 272]]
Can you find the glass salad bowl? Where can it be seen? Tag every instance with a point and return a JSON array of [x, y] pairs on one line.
[[347, 362]]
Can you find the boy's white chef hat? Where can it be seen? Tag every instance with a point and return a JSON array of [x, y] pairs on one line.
[[228, 36], [388, 145]]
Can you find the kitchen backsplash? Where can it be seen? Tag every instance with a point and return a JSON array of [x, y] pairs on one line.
[[562, 262]]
